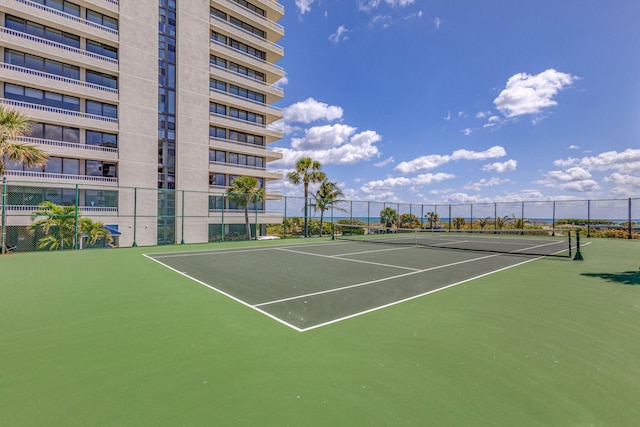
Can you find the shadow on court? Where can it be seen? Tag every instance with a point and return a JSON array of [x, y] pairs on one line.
[[624, 278]]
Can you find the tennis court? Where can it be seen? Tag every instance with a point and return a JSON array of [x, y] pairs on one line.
[[312, 285]]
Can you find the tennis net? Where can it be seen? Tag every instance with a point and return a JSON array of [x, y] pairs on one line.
[[520, 242]]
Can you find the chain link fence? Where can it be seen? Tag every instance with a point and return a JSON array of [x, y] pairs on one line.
[[45, 216]]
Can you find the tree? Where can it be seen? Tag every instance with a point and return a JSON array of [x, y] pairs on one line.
[[307, 171], [433, 219], [459, 222], [14, 124], [519, 223], [327, 197], [94, 230], [389, 217], [58, 223], [408, 220], [482, 222], [501, 222], [243, 191]]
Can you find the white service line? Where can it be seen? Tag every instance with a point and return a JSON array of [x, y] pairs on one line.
[[338, 257]]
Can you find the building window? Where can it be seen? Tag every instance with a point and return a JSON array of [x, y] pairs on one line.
[[102, 49], [55, 132], [37, 30], [100, 109], [101, 19], [101, 79], [97, 168], [37, 96], [102, 139]]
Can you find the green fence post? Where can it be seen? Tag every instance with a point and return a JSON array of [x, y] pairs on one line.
[[284, 219], [182, 220], [76, 246], [224, 205], [135, 215], [3, 245], [629, 221]]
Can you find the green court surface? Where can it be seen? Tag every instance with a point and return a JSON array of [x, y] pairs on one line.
[[114, 338]]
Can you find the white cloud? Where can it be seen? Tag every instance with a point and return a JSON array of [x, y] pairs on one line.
[[434, 160], [387, 185], [573, 147], [627, 161], [467, 131], [385, 162], [370, 5], [509, 165], [437, 21], [340, 35], [530, 94], [483, 114], [624, 185], [310, 110], [384, 20], [337, 144], [304, 6], [477, 186], [580, 186], [571, 174]]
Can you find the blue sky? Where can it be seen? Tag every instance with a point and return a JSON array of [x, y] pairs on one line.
[[464, 101]]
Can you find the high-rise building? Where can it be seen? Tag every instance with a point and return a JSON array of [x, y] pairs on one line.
[[142, 104]]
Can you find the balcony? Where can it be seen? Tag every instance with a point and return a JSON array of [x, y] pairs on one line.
[[273, 72], [271, 113], [82, 151], [110, 5], [231, 169], [46, 81], [245, 126], [39, 176], [269, 154], [274, 51], [62, 20], [274, 30], [48, 49], [273, 93], [43, 113]]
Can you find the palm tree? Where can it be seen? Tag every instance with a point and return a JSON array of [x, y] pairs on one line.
[[409, 220], [307, 171], [14, 124], [519, 223], [501, 222], [433, 219], [94, 230], [482, 222], [58, 224], [389, 217], [327, 197], [243, 191], [459, 222]]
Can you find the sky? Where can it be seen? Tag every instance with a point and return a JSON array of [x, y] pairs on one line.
[[472, 101]]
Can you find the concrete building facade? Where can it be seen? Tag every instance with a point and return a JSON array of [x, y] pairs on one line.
[[148, 109]]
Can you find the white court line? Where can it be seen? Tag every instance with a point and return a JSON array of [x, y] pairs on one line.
[[375, 281], [337, 257], [226, 294], [235, 251], [415, 296]]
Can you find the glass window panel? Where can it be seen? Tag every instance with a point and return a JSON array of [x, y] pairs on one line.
[[33, 95], [71, 72], [53, 132], [94, 108], [13, 92], [221, 156], [94, 16], [37, 130], [242, 159], [71, 103], [14, 23], [53, 34], [53, 99], [35, 29], [110, 111], [109, 140], [13, 57], [71, 135], [93, 168], [110, 22], [33, 62], [71, 40], [71, 8], [53, 67], [94, 138], [54, 165], [71, 166], [233, 158]]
